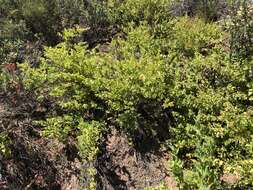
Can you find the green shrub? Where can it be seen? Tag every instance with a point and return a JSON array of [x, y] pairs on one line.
[[161, 186], [151, 11], [208, 99], [107, 84], [199, 36], [209, 10], [214, 121], [4, 143], [240, 27]]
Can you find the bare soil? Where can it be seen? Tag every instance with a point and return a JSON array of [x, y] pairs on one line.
[[37, 162], [120, 166]]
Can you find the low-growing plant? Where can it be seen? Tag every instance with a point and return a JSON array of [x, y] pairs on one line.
[[161, 186], [4, 143]]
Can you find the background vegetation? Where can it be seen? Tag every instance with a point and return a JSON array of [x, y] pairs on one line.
[[178, 73]]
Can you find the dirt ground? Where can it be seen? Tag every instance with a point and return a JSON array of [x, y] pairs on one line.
[[37, 162], [122, 167]]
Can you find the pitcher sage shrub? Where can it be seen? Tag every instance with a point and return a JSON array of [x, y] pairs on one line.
[[186, 74]]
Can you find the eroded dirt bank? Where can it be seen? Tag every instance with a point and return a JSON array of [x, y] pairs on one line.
[[37, 162]]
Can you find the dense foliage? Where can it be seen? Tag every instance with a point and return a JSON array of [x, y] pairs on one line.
[[187, 82]]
